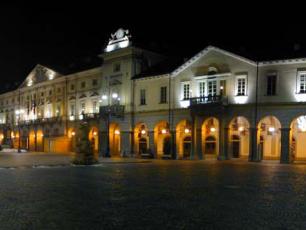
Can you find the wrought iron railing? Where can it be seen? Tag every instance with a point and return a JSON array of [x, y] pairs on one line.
[[112, 110], [216, 99]]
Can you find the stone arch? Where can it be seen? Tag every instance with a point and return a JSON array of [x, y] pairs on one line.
[[210, 134], [183, 139], [239, 137], [114, 139], [297, 139], [162, 139], [141, 138], [269, 138], [93, 137]]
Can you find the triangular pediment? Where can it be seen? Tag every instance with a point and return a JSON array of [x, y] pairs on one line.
[[39, 74], [208, 51]]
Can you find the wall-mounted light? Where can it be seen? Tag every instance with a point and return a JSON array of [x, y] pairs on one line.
[[117, 132], [164, 131], [143, 132], [42, 135], [72, 133], [115, 95], [271, 129], [187, 130], [213, 129], [104, 97], [241, 128], [221, 87], [95, 133]]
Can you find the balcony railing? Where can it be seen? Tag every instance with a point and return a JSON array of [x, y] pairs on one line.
[[40, 120], [112, 110], [216, 99]]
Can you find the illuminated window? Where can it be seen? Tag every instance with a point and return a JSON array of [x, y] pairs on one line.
[[142, 97], [241, 85], [202, 90], [72, 110], [271, 84], [163, 94], [185, 90], [302, 81], [83, 107], [212, 88], [95, 107]]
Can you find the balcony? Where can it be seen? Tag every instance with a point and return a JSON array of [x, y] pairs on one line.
[[208, 104], [40, 121], [112, 110], [217, 99]]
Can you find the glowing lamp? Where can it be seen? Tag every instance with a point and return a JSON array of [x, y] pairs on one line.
[[213, 129], [104, 97], [143, 132], [164, 131], [114, 95], [271, 129], [95, 133], [117, 132], [187, 130], [241, 128], [72, 133]]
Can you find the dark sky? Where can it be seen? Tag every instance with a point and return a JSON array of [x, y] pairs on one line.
[[67, 37]]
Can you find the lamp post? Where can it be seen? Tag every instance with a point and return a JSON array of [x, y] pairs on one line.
[[107, 113]]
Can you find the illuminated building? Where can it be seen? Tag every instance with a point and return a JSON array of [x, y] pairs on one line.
[[215, 105]]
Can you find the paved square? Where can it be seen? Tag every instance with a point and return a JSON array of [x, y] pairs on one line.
[[155, 195]]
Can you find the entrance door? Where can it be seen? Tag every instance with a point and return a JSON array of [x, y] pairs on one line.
[[187, 147], [210, 145], [236, 146], [167, 146], [142, 145]]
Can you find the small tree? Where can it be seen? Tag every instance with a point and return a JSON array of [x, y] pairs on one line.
[[84, 148]]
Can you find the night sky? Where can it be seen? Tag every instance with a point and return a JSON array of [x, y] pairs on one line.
[[68, 38]]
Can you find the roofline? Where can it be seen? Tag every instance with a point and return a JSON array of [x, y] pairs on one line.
[[204, 52]]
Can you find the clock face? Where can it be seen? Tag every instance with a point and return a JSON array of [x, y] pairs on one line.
[[120, 33]]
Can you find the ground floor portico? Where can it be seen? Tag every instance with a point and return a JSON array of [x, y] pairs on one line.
[[277, 132]]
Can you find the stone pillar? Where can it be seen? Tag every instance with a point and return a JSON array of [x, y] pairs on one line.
[[226, 143], [173, 144], [285, 157], [254, 154], [198, 145], [152, 143], [221, 136], [125, 143], [102, 143], [193, 139]]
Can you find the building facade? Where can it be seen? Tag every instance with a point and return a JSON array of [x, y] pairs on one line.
[[215, 105]]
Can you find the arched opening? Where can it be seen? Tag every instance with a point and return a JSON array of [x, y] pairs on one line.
[[298, 138], [39, 140], [114, 140], [183, 139], [32, 143], [269, 138], [210, 145], [93, 137], [239, 137], [71, 136], [162, 139], [210, 137], [141, 139], [187, 147]]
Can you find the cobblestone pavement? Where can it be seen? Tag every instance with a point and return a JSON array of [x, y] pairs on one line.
[[155, 195]]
